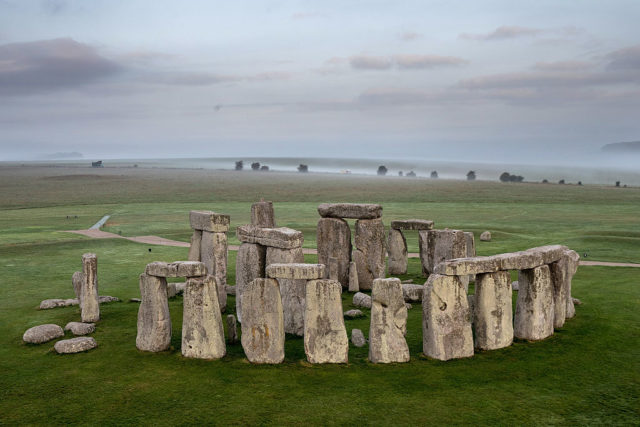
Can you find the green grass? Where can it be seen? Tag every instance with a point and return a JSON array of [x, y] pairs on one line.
[[587, 373]]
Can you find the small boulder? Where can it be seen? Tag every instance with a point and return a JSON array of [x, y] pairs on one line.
[[42, 333], [361, 300], [75, 345], [79, 328], [102, 299], [353, 314], [485, 236], [514, 285], [357, 338], [576, 301]]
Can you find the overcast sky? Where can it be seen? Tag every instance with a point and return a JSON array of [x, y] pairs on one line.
[[500, 79]]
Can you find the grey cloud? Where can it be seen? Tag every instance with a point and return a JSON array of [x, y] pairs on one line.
[[46, 65], [563, 66], [426, 61], [625, 59], [410, 35], [54, 7], [307, 15], [189, 79], [505, 32], [363, 62]]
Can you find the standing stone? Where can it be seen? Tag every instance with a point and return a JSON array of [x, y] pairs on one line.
[[325, 336], [534, 306], [263, 322], [334, 241], [493, 312], [397, 250], [357, 338], [262, 214], [562, 272], [292, 290], [209, 221], [423, 247], [333, 269], [350, 210], [388, 323], [471, 252], [442, 245], [77, 279], [154, 320], [412, 292], [194, 249], [369, 255], [232, 329], [202, 330], [485, 236], [250, 261], [89, 304], [446, 320], [354, 286], [213, 254]]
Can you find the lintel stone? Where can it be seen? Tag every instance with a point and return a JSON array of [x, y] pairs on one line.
[[295, 271], [209, 221], [350, 210]]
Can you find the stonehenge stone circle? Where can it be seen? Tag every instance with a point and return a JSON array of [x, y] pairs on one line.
[[42, 333], [334, 241], [397, 251], [357, 338], [250, 265], [89, 304], [263, 322], [493, 312], [292, 291], [446, 320], [325, 336], [369, 254], [283, 237], [534, 306], [202, 330], [262, 214], [75, 345], [388, 323], [295, 271], [79, 328], [154, 320], [350, 210]]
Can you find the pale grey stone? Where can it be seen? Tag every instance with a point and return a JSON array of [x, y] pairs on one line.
[[576, 301], [79, 328], [232, 329], [231, 290], [412, 292], [103, 299], [361, 300], [369, 255], [250, 265], [52, 303], [180, 287], [522, 260], [353, 314], [89, 304], [176, 269], [412, 224], [202, 330], [333, 268], [209, 221], [397, 250], [409, 307], [171, 290], [350, 210], [446, 319], [354, 286], [262, 214], [282, 237], [194, 249], [550, 253], [334, 241], [75, 345], [292, 290], [213, 253], [471, 252], [325, 336], [42, 333], [534, 307], [295, 271], [441, 245], [562, 272], [471, 300], [263, 322], [77, 279], [467, 266], [388, 323], [135, 300], [515, 286], [423, 248], [154, 320], [485, 236], [357, 338], [493, 313]]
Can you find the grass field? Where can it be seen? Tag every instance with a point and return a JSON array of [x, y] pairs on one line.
[[587, 373]]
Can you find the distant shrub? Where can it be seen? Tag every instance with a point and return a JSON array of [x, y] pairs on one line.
[[264, 168], [545, 181], [239, 165], [434, 174], [382, 170], [617, 183], [255, 166], [507, 177], [411, 174], [303, 168], [579, 182], [400, 173], [561, 181], [471, 176]]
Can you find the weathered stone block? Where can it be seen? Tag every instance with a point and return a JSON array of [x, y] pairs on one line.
[[295, 271], [353, 314], [209, 221], [42, 333], [388, 323], [357, 338], [89, 304], [562, 272], [194, 249], [485, 236], [202, 330], [283, 237], [354, 286], [325, 336], [522, 260], [493, 313], [154, 320], [361, 300], [176, 269], [213, 253], [411, 292], [441, 245], [232, 329], [534, 307], [334, 241], [397, 251], [262, 215], [263, 322], [412, 224], [75, 345], [446, 319], [79, 328], [369, 255], [77, 279], [250, 265], [292, 290], [465, 266], [350, 210]]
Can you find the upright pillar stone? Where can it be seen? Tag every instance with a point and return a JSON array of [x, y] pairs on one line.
[[262, 214], [534, 307], [471, 252], [154, 320], [334, 241], [423, 243], [194, 249], [446, 319], [369, 254], [562, 272], [89, 302], [493, 312], [250, 265], [325, 335], [292, 290], [397, 250], [388, 323], [202, 330], [354, 286], [263, 322], [213, 253], [77, 280], [441, 245]]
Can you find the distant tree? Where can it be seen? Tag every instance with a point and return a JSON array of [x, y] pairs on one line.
[[239, 165], [561, 181], [255, 166], [399, 173], [135, 165], [471, 176], [411, 174], [303, 168], [517, 178], [505, 177], [382, 170], [264, 168], [617, 183], [579, 182], [545, 181], [434, 174]]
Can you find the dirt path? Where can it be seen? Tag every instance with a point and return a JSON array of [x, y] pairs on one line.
[[155, 240]]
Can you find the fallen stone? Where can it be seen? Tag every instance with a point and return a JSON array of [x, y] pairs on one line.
[[397, 251], [388, 323], [283, 237], [176, 269], [42, 333], [334, 241], [263, 322], [262, 214], [52, 303], [89, 303], [79, 328], [412, 224], [231, 290], [576, 301], [292, 290], [466, 266], [361, 300], [295, 271], [350, 210], [534, 307], [75, 345], [493, 312], [354, 286], [411, 292], [202, 330], [154, 320], [353, 314], [232, 329], [104, 299], [209, 221], [194, 249], [250, 265], [213, 254], [409, 306], [77, 279], [440, 246], [446, 319], [357, 338], [325, 336], [485, 236], [370, 252], [407, 281], [135, 300]]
